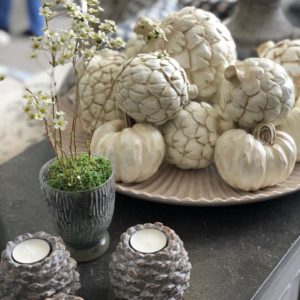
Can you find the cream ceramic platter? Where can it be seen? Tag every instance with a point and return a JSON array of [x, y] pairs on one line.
[[204, 187]]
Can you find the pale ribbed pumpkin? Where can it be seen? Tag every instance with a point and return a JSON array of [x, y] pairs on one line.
[[290, 125], [251, 162], [136, 152]]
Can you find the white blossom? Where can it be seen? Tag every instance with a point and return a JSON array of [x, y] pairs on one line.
[[60, 124]]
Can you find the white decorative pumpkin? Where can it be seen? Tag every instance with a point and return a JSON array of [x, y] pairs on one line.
[[136, 152], [152, 88], [191, 136], [198, 41], [291, 125], [256, 90], [97, 104], [134, 46], [251, 162], [287, 54]]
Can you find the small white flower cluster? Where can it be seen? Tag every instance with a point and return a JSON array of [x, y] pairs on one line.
[[59, 121], [87, 35], [39, 106], [36, 105]]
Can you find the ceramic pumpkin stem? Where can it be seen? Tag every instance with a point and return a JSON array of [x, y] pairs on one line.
[[232, 74], [265, 132]]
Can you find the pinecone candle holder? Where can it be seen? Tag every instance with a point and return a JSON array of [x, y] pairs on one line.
[[43, 271], [150, 262]]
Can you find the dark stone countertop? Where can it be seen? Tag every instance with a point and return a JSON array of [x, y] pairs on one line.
[[232, 249]]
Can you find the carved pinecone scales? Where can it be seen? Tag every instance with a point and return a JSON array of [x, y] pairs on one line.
[[56, 273], [62, 296], [161, 276]]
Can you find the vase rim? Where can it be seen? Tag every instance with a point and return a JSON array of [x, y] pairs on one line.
[[44, 170]]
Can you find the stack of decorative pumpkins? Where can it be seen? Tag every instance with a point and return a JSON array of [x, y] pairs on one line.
[[192, 104]]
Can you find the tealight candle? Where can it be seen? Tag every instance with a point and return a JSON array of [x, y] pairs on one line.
[[148, 240], [31, 251]]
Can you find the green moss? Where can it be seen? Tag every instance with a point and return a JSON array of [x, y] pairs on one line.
[[79, 173]]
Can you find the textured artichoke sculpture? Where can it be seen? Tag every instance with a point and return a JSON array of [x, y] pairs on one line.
[[191, 136], [162, 275], [55, 274], [287, 54], [198, 41], [134, 46], [256, 90], [152, 88], [97, 104]]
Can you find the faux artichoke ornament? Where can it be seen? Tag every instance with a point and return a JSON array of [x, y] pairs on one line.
[[97, 104], [134, 46], [256, 90], [198, 41], [152, 88], [191, 136], [287, 54]]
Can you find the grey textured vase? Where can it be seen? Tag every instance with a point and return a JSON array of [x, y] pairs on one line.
[[81, 218], [258, 21], [163, 275], [55, 274]]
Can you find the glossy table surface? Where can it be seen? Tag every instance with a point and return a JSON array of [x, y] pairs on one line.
[[232, 249]]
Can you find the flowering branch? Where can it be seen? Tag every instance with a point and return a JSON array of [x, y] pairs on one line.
[[76, 45]]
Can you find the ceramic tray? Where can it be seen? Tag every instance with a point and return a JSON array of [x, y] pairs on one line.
[[204, 187]]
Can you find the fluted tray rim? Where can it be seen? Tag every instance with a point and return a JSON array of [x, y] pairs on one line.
[[247, 197]]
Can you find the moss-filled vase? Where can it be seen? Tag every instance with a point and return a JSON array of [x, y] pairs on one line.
[[81, 217]]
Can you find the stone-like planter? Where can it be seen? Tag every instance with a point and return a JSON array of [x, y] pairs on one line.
[[81, 218], [54, 274]]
